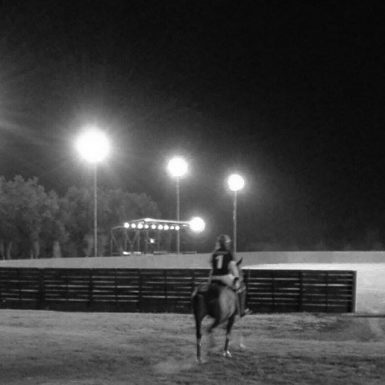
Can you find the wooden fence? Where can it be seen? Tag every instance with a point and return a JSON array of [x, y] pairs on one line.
[[169, 290]]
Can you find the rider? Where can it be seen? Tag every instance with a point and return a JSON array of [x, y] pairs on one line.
[[224, 269], [223, 265]]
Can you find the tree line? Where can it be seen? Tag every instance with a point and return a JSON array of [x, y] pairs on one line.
[[35, 223]]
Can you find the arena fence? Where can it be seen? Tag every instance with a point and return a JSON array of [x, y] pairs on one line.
[[169, 290]]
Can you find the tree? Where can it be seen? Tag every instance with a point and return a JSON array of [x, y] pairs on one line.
[[26, 209]]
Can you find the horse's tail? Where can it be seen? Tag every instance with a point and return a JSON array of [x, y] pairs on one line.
[[197, 301], [199, 311]]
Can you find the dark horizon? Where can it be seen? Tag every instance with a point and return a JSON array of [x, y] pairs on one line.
[[291, 95]]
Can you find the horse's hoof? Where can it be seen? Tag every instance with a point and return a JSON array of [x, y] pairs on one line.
[[227, 354]]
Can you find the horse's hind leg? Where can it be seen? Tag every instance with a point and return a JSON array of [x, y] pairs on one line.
[[198, 316], [229, 326]]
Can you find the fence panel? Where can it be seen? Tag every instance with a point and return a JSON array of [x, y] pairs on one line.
[[20, 288], [169, 290]]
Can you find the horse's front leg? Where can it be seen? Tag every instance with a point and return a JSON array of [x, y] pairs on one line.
[[198, 323], [230, 323], [199, 349], [210, 332]]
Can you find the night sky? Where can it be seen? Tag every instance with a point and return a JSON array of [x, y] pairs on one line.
[[290, 94]]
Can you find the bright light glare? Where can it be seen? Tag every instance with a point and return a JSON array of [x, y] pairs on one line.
[[197, 224], [235, 182], [177, 167], [93, 145]]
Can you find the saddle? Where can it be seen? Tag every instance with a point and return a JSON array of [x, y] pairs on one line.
[[236, 285], [211, 290]]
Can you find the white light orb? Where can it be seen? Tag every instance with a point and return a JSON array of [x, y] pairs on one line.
[[93, 145], [126, 225], [235, 182], [197, 224], [177, 167]]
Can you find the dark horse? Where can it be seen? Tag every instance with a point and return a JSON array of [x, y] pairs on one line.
[[219, 302]]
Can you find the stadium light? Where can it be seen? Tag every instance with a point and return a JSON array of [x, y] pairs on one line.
[[197, 224], [94, 147], [177, 168], [235, 183]]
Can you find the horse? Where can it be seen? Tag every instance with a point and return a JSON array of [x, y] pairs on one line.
[[219, 302]]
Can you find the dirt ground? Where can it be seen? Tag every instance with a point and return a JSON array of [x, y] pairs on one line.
[[57, 348]]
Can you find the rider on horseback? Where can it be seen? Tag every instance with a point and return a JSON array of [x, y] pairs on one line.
[[224, 270], [223, 265]]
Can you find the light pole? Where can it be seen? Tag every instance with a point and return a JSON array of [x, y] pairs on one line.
[[177, 168], [235, 183], [93, 146]]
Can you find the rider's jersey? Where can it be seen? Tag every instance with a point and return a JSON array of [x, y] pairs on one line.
[[220, 261]]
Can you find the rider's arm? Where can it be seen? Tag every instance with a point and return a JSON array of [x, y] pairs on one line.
[[233, 269], [210, 275]]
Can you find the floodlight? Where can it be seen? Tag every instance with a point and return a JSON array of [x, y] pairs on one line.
[[93, 145], [197, 224], [177, 167], [235, 182]]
